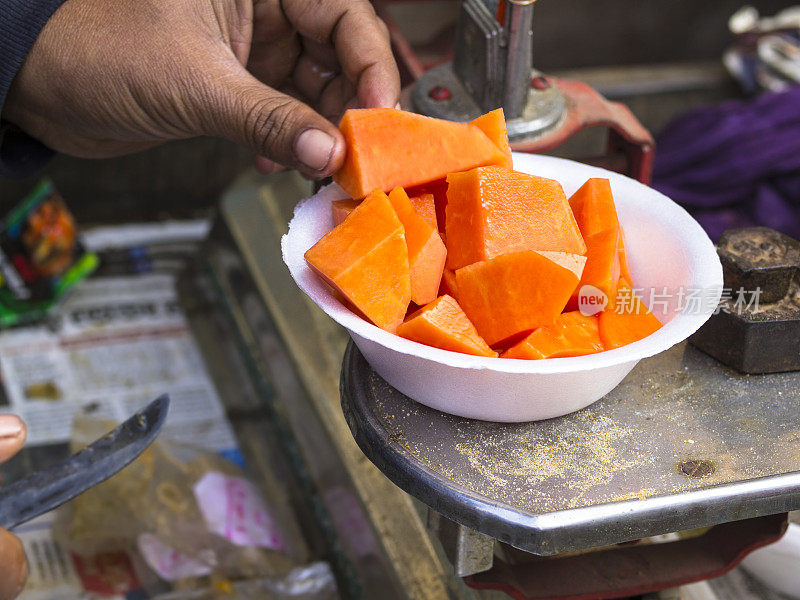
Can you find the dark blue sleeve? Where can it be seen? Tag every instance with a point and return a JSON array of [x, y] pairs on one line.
[[20, 24]]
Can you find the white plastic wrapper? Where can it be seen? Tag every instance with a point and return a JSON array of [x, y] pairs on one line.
[[675, 269]]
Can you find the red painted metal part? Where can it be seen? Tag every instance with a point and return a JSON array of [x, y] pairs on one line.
[[587, 108], [629, 570]]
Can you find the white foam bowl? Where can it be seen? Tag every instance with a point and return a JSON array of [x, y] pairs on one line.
[[667, 250]]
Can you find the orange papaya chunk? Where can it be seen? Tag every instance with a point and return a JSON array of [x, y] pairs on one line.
[[602, 268], [629, 321], [426, 251], [442, 324], [594, 210], [449, 285], [438, 189], [574, 262], [572, 334], [425, 206], [493, 124], [366, 260], [387, 148], [593, 207], [341, 209], [492, 211], [624, 269], [509, 296]]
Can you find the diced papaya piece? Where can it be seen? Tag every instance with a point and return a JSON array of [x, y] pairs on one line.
[[426, 208], [572, 334], [629, 321], [593, 206], [602, 263], [509, 296], [426, 251], [342, 208], [573, 262], [624, 269], [594, 210], [439, 190], [366, 260], [442, 324], [493, 211], [493, 124], [449, 285], [387, 148]]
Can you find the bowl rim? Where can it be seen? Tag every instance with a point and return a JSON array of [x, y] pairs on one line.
[[673, 332]]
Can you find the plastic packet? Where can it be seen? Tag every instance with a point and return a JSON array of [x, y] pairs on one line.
[[190, 515], [311, 582], [41, 257]]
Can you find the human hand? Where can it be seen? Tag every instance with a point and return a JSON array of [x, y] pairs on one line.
[[13, 566], [110, 77]]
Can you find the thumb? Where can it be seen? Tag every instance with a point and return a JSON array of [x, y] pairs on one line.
[[13, 566], [12, 436], [274, 125]]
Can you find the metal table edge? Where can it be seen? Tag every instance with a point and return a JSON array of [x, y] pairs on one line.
[[561, 531]]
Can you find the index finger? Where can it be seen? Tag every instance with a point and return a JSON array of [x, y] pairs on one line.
[[361, 42]]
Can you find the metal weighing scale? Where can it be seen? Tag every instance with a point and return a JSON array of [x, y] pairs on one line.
[[683, 443], [538, 510]]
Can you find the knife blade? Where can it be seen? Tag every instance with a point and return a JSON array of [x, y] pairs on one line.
[[49, 488]]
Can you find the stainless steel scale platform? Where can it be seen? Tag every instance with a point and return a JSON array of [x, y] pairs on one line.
[[683, 443]]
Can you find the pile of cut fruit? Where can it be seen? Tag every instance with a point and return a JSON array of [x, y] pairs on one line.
[[468, 255]]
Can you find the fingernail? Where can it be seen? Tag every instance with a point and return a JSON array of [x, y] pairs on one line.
[[10, 426], [314, 148], [397, 106]]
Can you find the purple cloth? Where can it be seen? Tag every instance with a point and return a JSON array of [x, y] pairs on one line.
[[736, 164]]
